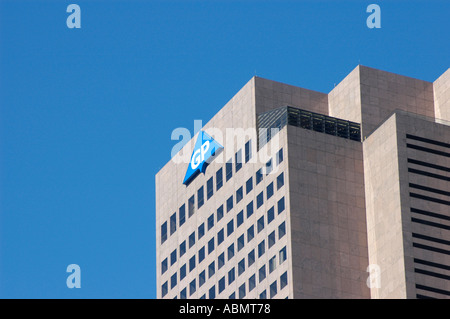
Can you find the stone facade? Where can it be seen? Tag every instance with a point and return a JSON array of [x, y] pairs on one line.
[[330, 212]]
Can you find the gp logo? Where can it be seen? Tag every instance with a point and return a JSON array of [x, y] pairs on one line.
[[205, 150]]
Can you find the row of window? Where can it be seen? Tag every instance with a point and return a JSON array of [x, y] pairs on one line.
[[234, 247], [267, 169], [230, 277], [228, 230]]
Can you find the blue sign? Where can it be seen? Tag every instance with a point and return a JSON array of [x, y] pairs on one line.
[[206, 148]]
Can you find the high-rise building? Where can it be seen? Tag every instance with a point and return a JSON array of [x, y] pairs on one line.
[[312, 195]]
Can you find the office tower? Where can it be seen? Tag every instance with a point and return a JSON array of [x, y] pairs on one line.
[[306, 194]]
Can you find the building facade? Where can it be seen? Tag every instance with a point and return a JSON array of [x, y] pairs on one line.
[[313, 193]]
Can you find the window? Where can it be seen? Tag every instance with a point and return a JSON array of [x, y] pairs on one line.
[[249, 185], [269, 190], [203, 297], [272, 264], [230, 251], [201, 278], [192, 263], [230, 227], [220, 237], [232, 296], [221, 284], [229, 203], [242, 291], [182, 248], [273, 289], [211, 246], [269, 167], [239, 194], [221, 261], [163, 232], [270, 214], [209, 188], [164, 266], [239, 218], [219, 179], [201, 254], [241, 242], [173, 223], [200, 197], [282, 255], [271, 239], [259, 200], [260, 224], [283, 280], [251, 258], [219, 213], [241, 266], [164, 289], [182, 214], [212, 292], [259, 176], [182, 272], [279, 156], [211, 269], [191, 206], [263, 295], [251, 283], [210, 221], [183, 293], [238, 160], [250, 209], [192, 287], [281, 205], [229, 169], [173, 281], [261, 248], [262, 273], [201, 230], [281, 230], [192, 239], [248, 151], [231, 276], [280, 181], [250, 233], [173, 257]]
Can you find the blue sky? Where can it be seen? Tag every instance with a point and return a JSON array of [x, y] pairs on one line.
[[86, 114]]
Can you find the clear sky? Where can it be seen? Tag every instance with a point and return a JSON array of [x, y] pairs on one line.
[[86, 115]]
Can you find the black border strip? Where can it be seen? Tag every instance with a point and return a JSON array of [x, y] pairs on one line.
[[419, 296]]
